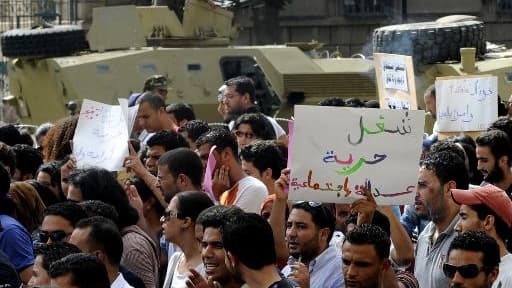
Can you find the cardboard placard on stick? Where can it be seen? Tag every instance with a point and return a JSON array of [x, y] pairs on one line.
[[395, 81]]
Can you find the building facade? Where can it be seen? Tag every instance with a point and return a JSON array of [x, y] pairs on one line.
[[347, 25]]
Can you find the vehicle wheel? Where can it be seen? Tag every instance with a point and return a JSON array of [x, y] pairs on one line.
[[430, 42], [43, 42]]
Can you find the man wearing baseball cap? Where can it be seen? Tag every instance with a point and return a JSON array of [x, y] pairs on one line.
[[488, 209]]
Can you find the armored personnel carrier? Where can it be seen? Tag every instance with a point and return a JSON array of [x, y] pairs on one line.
[[50, 68]]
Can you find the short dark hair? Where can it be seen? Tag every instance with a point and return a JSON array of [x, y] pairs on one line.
[[321, 215], [181, 111], [249, 237], [99, 208], [28, 159], [10, 135], [221, 138], [168, 139], [183, 161], [67, 210], [146, 193], [45, 193], [447, 166], [154, 100], [498, 142], [368, 234], [191, 204], [243, 84], [194, 129], [104, 236], [504, 124], [52, 169], [86, 271], [501, 227], [215, 216], [260, 125], [379, 219], [332, 101], [354, 102], [372, 104], [100, 184], [478, 241], [263, 155], [8, 157], [54, 251]]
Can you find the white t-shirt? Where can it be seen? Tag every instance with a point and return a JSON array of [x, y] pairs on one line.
[[178, 279], [504, 279], [120, 282], [249, 194]]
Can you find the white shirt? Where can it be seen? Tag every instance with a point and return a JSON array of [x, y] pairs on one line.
[[179, 280], [120, 282], [250, 194], [505, 276]]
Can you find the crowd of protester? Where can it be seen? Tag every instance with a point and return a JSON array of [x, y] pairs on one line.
[[201, 206]]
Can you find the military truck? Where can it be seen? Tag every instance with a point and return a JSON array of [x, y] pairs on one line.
[[54, 66]]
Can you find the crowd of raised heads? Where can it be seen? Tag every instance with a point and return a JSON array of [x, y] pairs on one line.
[[204, 206]]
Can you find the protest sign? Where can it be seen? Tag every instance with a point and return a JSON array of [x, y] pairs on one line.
[[337, 149], [102, 133], [395, 81], [466, 103]]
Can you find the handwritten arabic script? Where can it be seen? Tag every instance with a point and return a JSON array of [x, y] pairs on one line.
[[354, 147], [466, 104], [102, 133]]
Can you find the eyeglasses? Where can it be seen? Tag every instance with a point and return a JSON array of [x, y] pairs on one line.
[[248, 135], [168, 214], [466, 271], [55, 236]]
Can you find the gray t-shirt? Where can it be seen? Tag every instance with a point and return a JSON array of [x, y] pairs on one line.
[[430, 257]]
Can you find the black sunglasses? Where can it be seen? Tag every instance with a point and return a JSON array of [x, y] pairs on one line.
[[469, 271], [55, 236]]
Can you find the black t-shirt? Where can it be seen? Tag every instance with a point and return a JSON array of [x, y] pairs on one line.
[[8, 276], [283, 283]]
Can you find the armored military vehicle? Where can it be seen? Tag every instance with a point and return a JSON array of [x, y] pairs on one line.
[[55, 66]]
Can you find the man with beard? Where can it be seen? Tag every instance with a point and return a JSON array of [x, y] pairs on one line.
[[473, 260], [494, 156], [239, 98], [209, 234], [439, 173], [366, 257], [179, 170], [309, 230]]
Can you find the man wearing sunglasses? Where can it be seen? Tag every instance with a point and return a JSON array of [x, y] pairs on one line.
[[473, 259], [59, 221], [488, 209]]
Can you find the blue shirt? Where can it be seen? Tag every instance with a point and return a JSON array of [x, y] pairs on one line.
[[16, 243], [325, 271]]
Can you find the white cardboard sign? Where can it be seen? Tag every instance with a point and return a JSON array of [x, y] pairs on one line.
[[102, 133], [466, 103], [336, 150]]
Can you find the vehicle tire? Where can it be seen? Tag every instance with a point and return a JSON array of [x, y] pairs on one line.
[[430, 42], [43, 42]]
